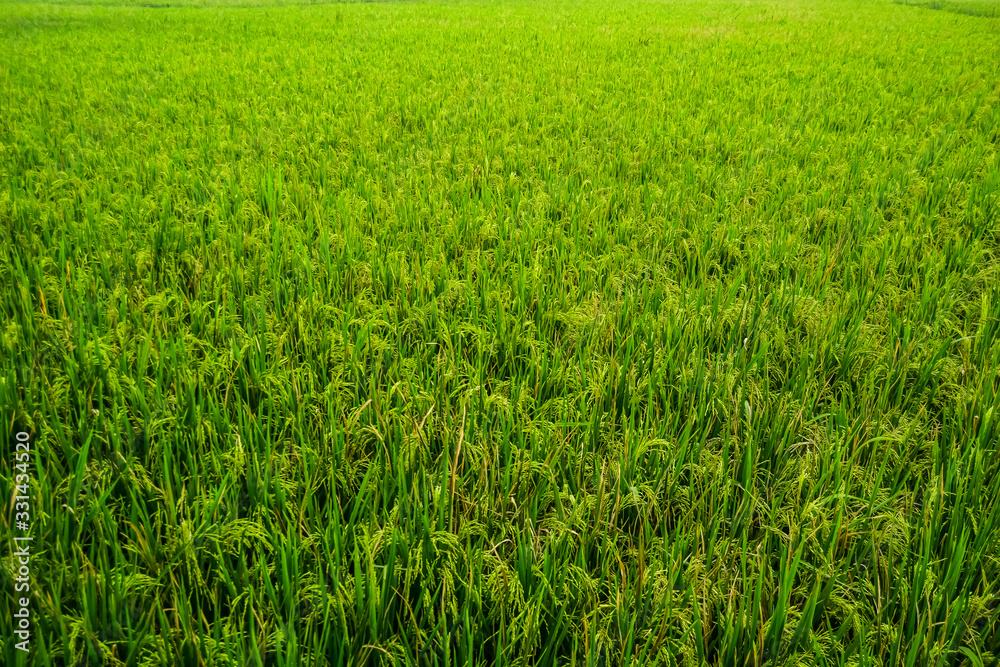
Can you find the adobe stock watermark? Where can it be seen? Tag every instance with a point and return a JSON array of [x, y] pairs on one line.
[[22, 542]]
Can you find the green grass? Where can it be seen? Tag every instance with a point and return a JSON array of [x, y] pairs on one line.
[[522, 333]]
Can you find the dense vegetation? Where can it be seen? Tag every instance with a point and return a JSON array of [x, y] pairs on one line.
[[504, 333]]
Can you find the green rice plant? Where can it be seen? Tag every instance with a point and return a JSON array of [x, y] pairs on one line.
[[502, 333]]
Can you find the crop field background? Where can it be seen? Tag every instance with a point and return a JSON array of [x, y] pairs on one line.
[[502, 333]]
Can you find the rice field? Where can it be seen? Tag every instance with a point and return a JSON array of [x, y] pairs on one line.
[[501, 333]]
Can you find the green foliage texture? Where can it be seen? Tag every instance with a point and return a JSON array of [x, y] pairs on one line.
[[503, 333]]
